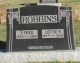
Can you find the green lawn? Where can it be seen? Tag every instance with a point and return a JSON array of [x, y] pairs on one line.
[[77, 33], [2, 32], [69, 1], [55, 62]]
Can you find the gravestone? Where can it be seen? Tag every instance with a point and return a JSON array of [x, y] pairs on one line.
[[40, 28]]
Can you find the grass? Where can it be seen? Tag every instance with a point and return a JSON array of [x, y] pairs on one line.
[[68, 1], [2, 32], [77, 33], [55, 62]]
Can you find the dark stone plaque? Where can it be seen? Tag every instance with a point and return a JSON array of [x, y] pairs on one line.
[[39, 28]]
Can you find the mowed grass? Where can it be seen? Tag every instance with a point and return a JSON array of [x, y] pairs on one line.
[[55, 62], [68, 1], [2, 32], [77, 33]]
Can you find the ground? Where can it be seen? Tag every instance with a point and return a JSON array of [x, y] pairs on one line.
[[2, 32]]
